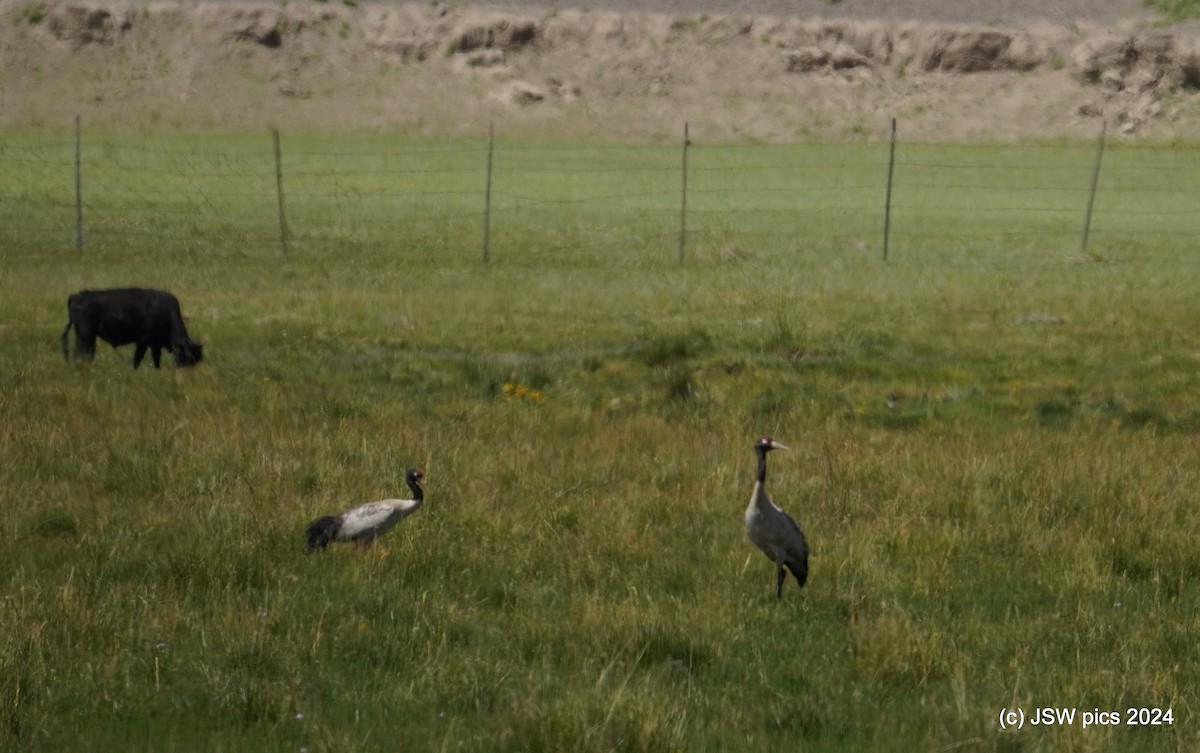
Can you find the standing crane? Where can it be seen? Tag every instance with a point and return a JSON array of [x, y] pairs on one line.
[[772, 529], [365, 523]]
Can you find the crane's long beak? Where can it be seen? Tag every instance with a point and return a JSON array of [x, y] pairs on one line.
[[777, 446]]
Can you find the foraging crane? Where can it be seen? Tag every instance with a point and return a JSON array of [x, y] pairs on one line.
[[365, 523], [772, 529]]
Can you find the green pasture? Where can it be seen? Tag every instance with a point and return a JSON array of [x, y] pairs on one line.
[[993, 432]]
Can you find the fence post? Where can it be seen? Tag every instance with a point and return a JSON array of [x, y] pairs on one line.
[[487, 195], [283, 233], [78, 185], [1087, 216], [887, 202], [683, 201]]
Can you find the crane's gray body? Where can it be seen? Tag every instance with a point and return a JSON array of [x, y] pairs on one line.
[[772, 530], [365, 523], [370, 521]]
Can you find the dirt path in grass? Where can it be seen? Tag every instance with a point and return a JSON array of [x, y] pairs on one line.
[[733, 69]]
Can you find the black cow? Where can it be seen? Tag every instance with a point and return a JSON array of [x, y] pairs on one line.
[[148, 318]]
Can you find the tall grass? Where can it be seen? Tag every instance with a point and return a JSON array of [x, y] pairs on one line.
[[994, 458]]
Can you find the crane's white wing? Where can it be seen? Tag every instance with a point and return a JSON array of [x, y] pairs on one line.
[[365, 518]]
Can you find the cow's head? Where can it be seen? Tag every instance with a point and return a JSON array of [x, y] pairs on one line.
[[188, 353]]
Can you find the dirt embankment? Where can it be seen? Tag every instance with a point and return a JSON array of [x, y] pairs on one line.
[[450, 70]]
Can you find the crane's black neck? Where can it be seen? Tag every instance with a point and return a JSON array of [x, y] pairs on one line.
[[418, 494], [762, 464]]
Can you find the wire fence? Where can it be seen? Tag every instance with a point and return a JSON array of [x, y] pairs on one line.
[[266, 194]]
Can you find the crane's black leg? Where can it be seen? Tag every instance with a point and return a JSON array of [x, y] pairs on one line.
[[779, 575]]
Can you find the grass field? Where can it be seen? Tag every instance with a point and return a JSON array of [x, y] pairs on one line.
[[994, 450]]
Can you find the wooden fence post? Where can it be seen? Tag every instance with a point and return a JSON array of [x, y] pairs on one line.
[[283, 232], [78, 185], [1087, 216], [487, 195], [887, 202], [683, 201]]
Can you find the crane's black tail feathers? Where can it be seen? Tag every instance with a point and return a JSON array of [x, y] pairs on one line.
[[320, 532]]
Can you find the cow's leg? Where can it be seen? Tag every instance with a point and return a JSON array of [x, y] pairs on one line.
[[139, 354], [156, 355], [85, 342], [62, 342]]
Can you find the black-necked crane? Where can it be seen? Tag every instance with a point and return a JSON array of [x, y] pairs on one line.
[[772, 529], [365, 523]]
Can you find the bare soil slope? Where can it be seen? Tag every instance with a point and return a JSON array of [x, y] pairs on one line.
[[540, 71], [984, 12]]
